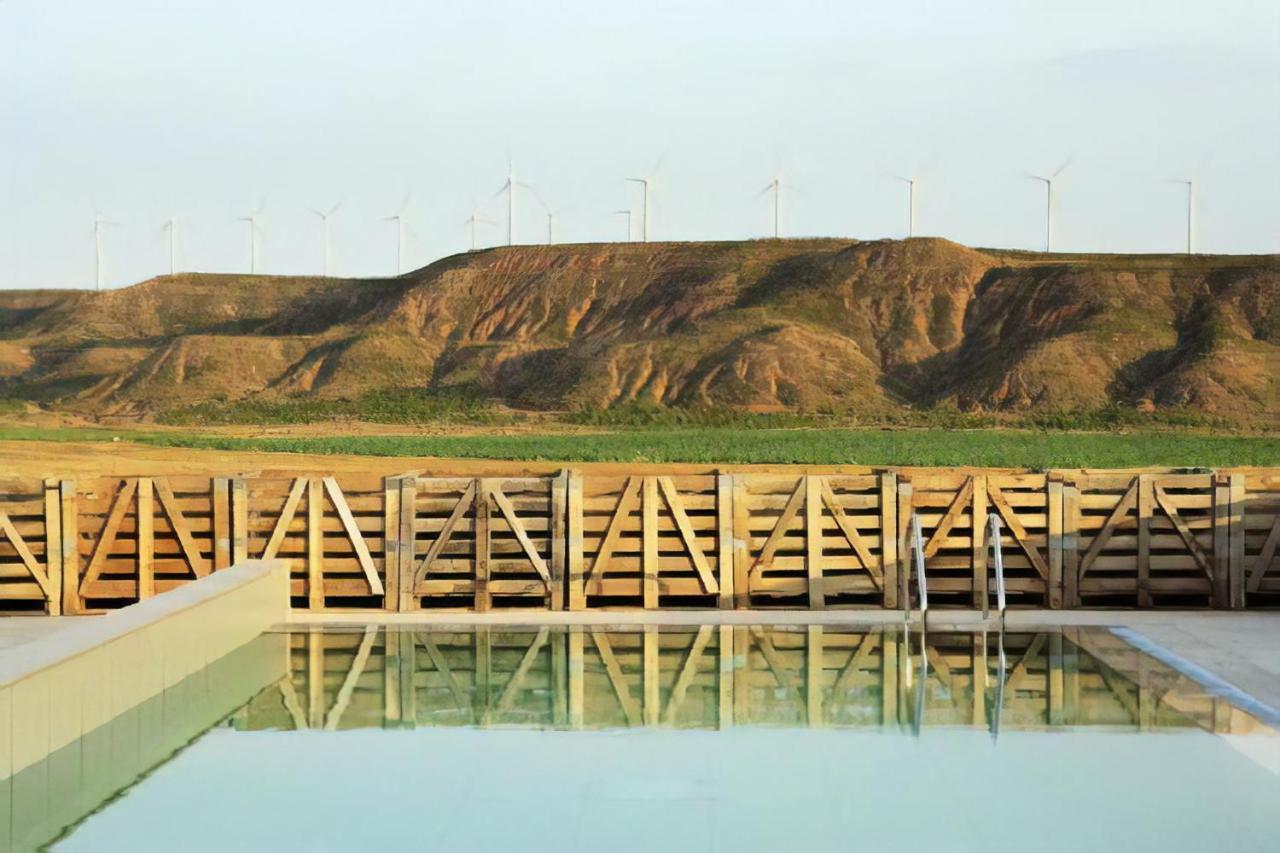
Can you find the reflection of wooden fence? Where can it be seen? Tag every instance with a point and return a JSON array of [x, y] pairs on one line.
[[719, 676], [572, 541]]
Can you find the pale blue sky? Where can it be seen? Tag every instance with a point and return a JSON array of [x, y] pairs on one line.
[[200, 109]]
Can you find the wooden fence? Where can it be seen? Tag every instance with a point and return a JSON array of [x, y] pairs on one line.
[[576, 540]]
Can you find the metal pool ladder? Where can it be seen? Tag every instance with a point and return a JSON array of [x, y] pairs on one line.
[[997, 548], [917, 545]]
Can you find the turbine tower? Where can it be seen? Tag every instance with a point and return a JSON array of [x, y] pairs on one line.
[[1190, 212], [644, 207], [252, 219], [775, 186], [627, 214], [326, 235], [1048, 202], [398, 219], [172, 227], [472, 221], [551, 224], [98, 224], [911, 204], [509, 187]]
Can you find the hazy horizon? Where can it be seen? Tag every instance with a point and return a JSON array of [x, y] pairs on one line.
[[205, 111]]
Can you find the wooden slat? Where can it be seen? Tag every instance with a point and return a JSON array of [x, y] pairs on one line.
[[709, 584], [315, 545], [724, 541], [1019, 533], [467, 501], [1127, 502], [107, 537], [33, 566], [771, 544], [353, 534], [1188, 538], [627, 501], [146, 538], [852, 535], [959, 505], [535, 559], [169, 504], [559, 544], [482, 516], [574, 569], [53, 561], [649, 535], [889, 539], [285, 518]]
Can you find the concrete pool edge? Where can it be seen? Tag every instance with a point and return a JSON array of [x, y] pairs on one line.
[[58, 688]]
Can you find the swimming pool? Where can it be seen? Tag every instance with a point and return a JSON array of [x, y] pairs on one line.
[[699, 738]]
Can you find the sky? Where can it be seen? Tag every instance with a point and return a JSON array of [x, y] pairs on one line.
[[207, 111]]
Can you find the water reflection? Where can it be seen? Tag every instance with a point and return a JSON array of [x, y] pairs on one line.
[[715, 677]]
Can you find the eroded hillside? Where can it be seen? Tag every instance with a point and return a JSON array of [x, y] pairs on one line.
[[814, 325]]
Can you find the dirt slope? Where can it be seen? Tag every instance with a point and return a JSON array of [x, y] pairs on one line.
[[812, 325]]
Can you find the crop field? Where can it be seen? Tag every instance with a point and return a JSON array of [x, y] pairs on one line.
[[1031, 449]]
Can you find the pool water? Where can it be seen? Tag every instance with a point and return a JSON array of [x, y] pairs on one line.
[[701, 738]]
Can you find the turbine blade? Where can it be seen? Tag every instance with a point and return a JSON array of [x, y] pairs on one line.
[[1065, 163]]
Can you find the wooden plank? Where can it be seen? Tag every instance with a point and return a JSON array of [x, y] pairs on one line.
[[72, 601], [353, 534], [725, 679], [1221, 541], [53, 562], [559, 511], [627, 501], [724, 539], [1055, 503], [169, 504], [107, 537], [146, 520], [221, 523], [978, 539], [649, 534], [391, 542], [28, 559], [352, 678], [577, 579], [1123, 507], [482, 546], [1070, 545], [285, 518], [652, 683], [1020, 535], [315, 546], [315, 679], [1188, 538], [577, 671], [614, 671], [771, 544], [853, 537], [1236, 560], [535, 559], [672, 498], [1262, 562], [469, 499], [889, 538], [959, 505], [239, 520], [905, 498], [407, 598], [813, 541], [741, 554], [814, 672], [1146, 506]]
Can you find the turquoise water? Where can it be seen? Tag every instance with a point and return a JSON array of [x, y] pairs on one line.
[[697, 739]]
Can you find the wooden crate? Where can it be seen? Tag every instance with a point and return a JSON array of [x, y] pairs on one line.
[[815, 540], [649, 541], [139, 536], [1146, 539], [954, 508], [31, 561], [332, 532], [482, 543], [1255, 538]]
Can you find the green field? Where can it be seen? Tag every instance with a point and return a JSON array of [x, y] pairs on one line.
[[1036, 450]]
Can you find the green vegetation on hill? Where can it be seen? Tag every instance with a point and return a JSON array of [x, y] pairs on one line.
[[392, 406]]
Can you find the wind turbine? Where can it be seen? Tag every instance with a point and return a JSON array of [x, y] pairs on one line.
[[98, 223], [398, 219], [1048, 201], [326, 235], [1190, 209], [626, 213], [509, 187], [776, 186], [472, 221], [551, 220], [644, 206], [172, 227], [911, 204], [252, 219]]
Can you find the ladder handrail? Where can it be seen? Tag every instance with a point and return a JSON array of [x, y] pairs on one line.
[[998, 553], [917, 544]]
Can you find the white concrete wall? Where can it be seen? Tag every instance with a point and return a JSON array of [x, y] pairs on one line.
[[64, 686]]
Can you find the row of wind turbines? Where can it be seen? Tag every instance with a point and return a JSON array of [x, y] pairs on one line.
[[512, 184]]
